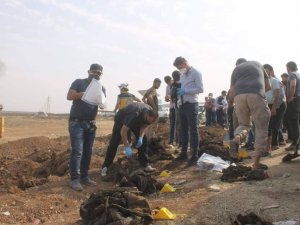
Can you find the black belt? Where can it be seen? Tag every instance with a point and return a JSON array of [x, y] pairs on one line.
[[81, 120]]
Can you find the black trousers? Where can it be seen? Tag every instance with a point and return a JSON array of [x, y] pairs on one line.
[[116, 140], [292, 116], [230, 121], [276, 122]]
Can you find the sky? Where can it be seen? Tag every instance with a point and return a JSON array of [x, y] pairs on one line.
[[46, 44]]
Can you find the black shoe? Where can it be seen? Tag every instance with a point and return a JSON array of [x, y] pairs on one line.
[[265, 154], [182, 157], [250, 148], [289, 157], [193, 160]]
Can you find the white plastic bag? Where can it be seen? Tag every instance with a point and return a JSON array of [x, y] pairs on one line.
[[208, 162], [94, 94]]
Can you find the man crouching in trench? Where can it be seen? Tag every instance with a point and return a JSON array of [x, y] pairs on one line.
[[135, 117]]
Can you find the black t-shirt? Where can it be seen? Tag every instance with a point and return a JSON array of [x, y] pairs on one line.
[[132, 115], [80, 109]]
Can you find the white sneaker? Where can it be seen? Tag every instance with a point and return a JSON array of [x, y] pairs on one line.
[[104, 172], [149, 168]]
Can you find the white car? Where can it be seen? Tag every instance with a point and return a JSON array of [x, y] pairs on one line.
[[163, 113]]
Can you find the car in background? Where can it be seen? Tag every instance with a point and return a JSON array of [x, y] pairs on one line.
[[163, 113]]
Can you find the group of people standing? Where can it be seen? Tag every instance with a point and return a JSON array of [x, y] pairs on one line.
[[256, 99], [132, 116], [216, 110]]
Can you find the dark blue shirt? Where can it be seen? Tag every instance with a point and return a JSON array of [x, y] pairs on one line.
[[80, 109]]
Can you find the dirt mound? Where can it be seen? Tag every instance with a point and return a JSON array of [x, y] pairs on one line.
[[116, 207], [29, 162], [211, 135], [128, 173], [242, 173]]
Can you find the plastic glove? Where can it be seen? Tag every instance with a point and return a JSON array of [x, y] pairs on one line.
[[180, 91], [128, 152], [139, 143]]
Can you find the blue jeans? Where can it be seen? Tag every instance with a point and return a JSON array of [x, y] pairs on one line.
[[172, 118], [189, 128], [82, 136]]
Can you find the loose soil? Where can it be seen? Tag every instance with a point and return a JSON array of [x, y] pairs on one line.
[[34, 155]]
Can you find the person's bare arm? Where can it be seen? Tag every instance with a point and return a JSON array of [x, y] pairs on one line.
[[151, 102], [74, 95], [292, 90], [267, 82], [142, 130], [136, 99], [124, 131], [117, 105]]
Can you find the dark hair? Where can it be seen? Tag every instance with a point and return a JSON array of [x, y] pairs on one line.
[[285, 75], [176, 75], [223, 92], [167, 79], [157, 80], [96, 66], [268, 67], [178, 61], [152, 113], [292, 66], [240, 61]]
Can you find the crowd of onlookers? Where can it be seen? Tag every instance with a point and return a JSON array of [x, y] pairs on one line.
[[257, 110]]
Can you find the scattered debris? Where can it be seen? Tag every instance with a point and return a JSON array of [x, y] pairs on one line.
[[270, 207], [242, 173], [214, 188], [7, 213], [289, 222], [157, 151], [128, 173], [144, 182], [115, 207], [208, 162], [249, 219], [286, 175], [179, 182]]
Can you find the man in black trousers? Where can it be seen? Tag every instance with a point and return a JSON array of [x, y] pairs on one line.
[[135, 117]]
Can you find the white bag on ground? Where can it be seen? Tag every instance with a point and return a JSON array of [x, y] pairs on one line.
[[208, 162], [94, 94]]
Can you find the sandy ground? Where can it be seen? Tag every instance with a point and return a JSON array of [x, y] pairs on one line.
[[53, 202]]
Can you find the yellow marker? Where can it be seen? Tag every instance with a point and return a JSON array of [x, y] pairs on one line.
[[164, 173], [1, 126], [167, 188], [164, 214], [243, 154]]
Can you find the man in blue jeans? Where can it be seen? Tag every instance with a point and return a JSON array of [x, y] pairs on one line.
[[82, 129], [191, 87]]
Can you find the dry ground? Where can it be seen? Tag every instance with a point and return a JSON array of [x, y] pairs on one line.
[[27, 141]]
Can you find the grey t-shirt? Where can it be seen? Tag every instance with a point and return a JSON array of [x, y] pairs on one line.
[[295, 76], [248, 77]]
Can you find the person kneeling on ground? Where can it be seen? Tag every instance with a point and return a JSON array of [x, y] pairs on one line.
[[135, 117]]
